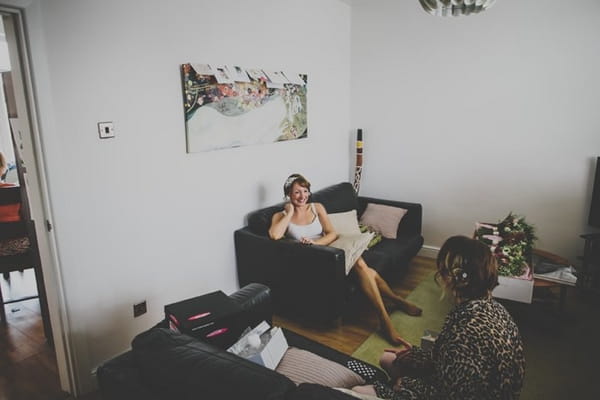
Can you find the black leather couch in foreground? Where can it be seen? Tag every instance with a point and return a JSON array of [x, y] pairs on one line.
[[164, 365], [310, 281]]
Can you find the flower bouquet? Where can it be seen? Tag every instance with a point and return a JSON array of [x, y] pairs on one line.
[[511, 241]]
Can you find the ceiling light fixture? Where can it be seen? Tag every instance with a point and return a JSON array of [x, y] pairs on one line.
[[454, 8]]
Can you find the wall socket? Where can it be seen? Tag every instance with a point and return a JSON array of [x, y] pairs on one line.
[[139, 309]]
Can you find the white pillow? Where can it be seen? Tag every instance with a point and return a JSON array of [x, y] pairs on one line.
[[345, 223], [353, 246]]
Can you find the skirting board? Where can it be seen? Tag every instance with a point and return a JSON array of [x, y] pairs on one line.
[[429, 251]]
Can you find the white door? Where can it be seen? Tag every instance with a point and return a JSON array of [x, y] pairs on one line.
[[25, 129]]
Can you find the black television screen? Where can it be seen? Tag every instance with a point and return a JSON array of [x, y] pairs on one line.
[[594, 219]]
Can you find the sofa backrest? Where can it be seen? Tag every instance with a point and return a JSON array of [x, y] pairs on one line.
[[177, 366], [336, 198]]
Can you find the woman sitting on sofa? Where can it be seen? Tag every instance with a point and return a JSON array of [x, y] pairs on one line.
[[308, 223], [479, 352]]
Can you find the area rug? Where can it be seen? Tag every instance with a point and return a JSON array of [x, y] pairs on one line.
[[561, 346], [426, 295]]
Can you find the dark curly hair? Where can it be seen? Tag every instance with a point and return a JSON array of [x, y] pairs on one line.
[[467, 268]]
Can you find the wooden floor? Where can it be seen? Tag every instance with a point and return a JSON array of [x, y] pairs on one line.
[[356, 327], [28, 364]]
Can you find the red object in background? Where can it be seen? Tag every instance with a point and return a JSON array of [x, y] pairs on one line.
[[10, 212]]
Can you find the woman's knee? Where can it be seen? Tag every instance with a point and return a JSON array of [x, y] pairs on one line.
[[361, 267], [387, 360]]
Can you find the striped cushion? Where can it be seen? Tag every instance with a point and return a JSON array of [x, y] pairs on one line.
[[302, 366]]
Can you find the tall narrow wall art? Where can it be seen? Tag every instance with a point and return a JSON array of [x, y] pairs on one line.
[[231, 106]]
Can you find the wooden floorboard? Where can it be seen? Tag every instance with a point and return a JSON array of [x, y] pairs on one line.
[[28, 367]]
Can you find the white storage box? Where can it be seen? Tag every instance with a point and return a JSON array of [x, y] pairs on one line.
[[273, 351], [263, 345], [515, 289], [428, 339]]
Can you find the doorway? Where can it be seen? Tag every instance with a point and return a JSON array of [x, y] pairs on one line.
[[21, 116]]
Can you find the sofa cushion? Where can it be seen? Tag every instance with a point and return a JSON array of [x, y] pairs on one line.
[[378, 258], [119, 378], [181, 367], [383, 219], [390, 252], [311, 391], [345, 223], [303, 366], [353, 245]]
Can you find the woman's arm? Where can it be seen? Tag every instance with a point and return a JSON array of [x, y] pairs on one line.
[[280, 222], [329, 234]]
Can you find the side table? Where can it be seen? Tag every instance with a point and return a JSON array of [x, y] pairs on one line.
[[542, 255]]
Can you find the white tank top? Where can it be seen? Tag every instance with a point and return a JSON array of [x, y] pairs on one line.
[[314, 230]]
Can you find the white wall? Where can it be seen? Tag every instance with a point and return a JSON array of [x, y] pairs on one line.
[[481, 115], [135, 216]]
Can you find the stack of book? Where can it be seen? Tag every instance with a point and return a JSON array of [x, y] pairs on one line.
[[559, 273]]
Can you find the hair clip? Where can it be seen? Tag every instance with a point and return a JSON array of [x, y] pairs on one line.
[[289, 181], [460, 274]]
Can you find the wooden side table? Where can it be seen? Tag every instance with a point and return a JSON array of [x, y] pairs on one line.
[[538, 255]]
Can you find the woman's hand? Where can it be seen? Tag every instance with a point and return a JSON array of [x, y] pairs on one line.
[[400, 353], [280, 221], [288, 209], [305, 240], [406, 344]]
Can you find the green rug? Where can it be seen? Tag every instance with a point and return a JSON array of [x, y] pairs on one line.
[[561, 346], [427, 296]]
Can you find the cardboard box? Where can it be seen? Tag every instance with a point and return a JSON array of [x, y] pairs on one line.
[[428, 339], [272, 353], [515, 289]]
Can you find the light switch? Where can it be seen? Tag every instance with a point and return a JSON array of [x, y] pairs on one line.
[[106, 130]]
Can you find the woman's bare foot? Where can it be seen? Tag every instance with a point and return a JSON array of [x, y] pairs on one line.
[[393, 336], [409, 308]]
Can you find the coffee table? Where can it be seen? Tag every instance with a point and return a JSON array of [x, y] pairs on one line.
[[538, 255]]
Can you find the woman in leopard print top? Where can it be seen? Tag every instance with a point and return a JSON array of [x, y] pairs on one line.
[[479, 352]]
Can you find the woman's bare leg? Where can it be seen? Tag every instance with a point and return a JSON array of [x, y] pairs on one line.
[[386, 361], [387, 292], [402, 303], [366, 278]]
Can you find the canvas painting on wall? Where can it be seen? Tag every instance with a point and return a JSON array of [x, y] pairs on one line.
[[231, 106]]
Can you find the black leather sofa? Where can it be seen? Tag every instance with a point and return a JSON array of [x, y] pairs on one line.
[[165, 365], [309, 282]]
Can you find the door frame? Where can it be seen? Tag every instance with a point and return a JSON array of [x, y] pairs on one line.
[[38, 192]]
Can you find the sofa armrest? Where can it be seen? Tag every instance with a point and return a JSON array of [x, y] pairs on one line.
[[255, 300], [411, 223], [308, 281]]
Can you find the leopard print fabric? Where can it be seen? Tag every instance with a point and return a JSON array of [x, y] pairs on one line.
[[478, 355]]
